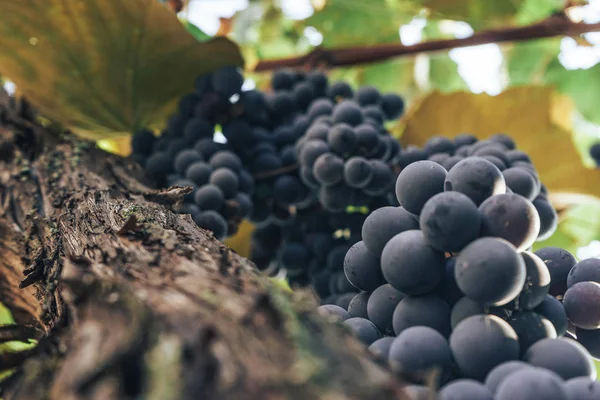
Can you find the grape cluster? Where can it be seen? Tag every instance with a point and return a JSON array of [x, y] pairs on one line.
[[449, 291], [187, 155]]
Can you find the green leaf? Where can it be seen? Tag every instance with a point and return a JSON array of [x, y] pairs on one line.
[[478, 13], [443, 74], [581, 85], [196, 32], [103, 67], [536, 10], [527, 61], [389, 76], [357, 22]]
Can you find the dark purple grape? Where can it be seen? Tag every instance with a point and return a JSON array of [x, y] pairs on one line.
[[563, 356], [212, 221], [582, 305], [419, 182]]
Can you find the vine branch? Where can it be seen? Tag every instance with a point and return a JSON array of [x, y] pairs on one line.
[[558, 25]]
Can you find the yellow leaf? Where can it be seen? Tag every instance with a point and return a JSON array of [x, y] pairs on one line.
[[536, 117], [104, 67], [240, 242], [120, 146]]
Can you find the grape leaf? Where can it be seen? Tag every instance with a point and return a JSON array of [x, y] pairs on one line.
[[581, 85], [103, 68], [536, 117], [527, 61], [476, 12], [240, 242], [196, 32], [535, 10], [358, 22]]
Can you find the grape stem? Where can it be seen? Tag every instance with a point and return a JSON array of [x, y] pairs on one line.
[[557, 25]]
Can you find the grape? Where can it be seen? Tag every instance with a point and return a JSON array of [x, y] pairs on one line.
[[339, 90], [439, 144], [511, 217], [212, 221], [244, 203], [367, 139], [418, 351], [342, 139], [582, 305], [381, 347], [238, 133], [450, 221], [480, 343], [590, 339], [263, 148], [246, 182], [439, 158], [344, 285], [368, 95], [288, 155], [520, 182], [410, 155], [463, 151], [227, 81], [381, 306], [226, 180], [317, 131], [294, 256], [226, 159], [363, 329], [254, 105], [491, 150], [465, 308], [358, 305], [358, 172], [207, 147], [303, 94], [347, 112], [267, 162], [490, 271], [548, 218], [311, 150], [392, 105], [531, 384], [531, 328], [345, 299], [410, 265], [186, 158], [425, 310], [175, 125], [320, 107], [334, 312], [419, 182], [198, 128], [287, 190], [382, 180], [477, 178], [300, 126], [559, 263], [451, 162], [362, 268], [335, 198], [209, 197], [319, 82], [142, 142], [328, 169], [584, 270], [554, 311], [503, 138], [563, 356], [501, 371], [308, 178], [464, 139], [488, 144], [159, 165], [537, 282], [261, 211], [496, 161], [383, 224], [283, 79], [465, 389], [448, 289], [177, 145], [374, 112], [281, 103], [582, 389], [517, 155], [326, 120]]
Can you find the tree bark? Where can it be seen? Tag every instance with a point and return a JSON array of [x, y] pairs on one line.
[[129, 300]]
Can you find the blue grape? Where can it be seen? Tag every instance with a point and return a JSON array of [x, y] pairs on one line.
[[582, 305], [340, 90], [392, 105], [227, 81], [358, 172], [383, 224], [477, 178], [348, 112], [209, 197], [362, 268], [428, 310], [226, 180], [328, 169], [465, 389], [368, 95], [531, 328], [358, 305], [501, 371], [582, 388], [584, 270], [363, 329], [334, 312], [419, 182], [531, 384], [212, 221], [342, 139], [381, 306], [142, 142], [381, 347]]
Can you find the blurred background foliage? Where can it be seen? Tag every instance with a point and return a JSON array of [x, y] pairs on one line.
[[543, 92]]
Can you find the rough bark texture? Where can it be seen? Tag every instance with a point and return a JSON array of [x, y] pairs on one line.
[[129, 300]]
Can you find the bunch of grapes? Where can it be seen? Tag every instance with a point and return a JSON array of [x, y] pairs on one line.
[[186, 154], [447, 290]]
